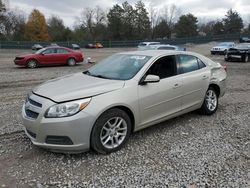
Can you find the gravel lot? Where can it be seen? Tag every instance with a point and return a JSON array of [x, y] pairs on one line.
[[188, 151]]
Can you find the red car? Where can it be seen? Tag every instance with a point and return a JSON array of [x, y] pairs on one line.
[[50, 56]]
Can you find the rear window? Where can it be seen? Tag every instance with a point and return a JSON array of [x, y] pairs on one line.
[[189, 63], [61, 51]]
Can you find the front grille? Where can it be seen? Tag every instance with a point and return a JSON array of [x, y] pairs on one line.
[[32, 108], [59, 140], [33, 135], [35, 103], [31, 114]]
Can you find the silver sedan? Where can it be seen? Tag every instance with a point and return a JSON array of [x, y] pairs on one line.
[[99, 108]]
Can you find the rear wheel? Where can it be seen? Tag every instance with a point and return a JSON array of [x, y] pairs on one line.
[[32, 63], [210, 103], [71, 62], [111, 131]]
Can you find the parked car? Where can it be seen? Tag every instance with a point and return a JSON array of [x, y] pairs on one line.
[[244, 39], [222, 48], [97, 45], [36, 47], [239, 53], [146, 45], [49, 56], [75, 46], [166, 47], [126, 92]]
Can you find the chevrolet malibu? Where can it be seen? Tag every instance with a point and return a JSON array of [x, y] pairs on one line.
[[100, 107], [54, 55]]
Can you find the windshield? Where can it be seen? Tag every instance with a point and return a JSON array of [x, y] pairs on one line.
[[39, 51], [246, 45], [224, 44], [118, 66]]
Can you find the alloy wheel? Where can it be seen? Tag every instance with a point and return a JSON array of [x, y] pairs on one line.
[[211, 100], [113, 132]]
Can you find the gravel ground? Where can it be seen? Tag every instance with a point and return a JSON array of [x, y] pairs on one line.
[[188, 151]]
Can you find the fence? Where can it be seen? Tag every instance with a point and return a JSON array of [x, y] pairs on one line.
[[131, 43]]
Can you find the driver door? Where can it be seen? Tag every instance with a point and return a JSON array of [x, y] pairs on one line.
[[159, 100], [48, 56]]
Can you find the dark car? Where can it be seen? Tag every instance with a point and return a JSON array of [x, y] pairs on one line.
[[239, 53], [50, 56], [75, 46], [36, 47], [244, 39]]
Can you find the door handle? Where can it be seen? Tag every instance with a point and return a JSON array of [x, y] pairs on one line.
[[204, 77], [176, 86]]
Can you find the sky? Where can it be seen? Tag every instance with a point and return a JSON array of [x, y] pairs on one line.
[[68, 10]]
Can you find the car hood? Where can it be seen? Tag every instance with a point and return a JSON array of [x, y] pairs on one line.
[[25, 55], [222, 47], [76, 86]]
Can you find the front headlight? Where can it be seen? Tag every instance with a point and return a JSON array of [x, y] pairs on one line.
[[66, 109]]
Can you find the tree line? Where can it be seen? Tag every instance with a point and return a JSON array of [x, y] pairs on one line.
[[121, 22]]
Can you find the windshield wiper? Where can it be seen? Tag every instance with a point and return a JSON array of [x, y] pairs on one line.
[[87, 72], [100, 76]]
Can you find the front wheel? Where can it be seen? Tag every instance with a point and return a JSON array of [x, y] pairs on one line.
[[32, 63], [210, 103], [111, 131]]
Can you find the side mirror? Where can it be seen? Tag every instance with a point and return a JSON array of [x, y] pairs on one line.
[[150, 79]]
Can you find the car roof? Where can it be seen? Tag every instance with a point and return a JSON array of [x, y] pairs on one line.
[[157, 53], [226, 43], [60, 47], [164, 45], [149, 42]]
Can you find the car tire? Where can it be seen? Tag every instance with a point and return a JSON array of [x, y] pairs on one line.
[[210, 103], [111, 131], [71, 62], [32, 63]]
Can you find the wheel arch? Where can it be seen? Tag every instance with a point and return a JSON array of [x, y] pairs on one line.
[[216, 87], [123, 108], [32, 58]]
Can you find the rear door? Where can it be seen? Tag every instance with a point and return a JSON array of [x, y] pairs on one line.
[[196, 77], [61, 55], [158, 100]]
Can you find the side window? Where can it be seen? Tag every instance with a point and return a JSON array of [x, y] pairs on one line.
[[188, 63], [201, 64], [164, 67], [49, 51], [61, 51]]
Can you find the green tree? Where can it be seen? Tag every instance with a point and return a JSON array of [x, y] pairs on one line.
[[218, 28], [36, 27], [56, 29], [233, 23], [115, 22], [2, 17], [186, 26], [128, 21], [162, 30], [142, 22]]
